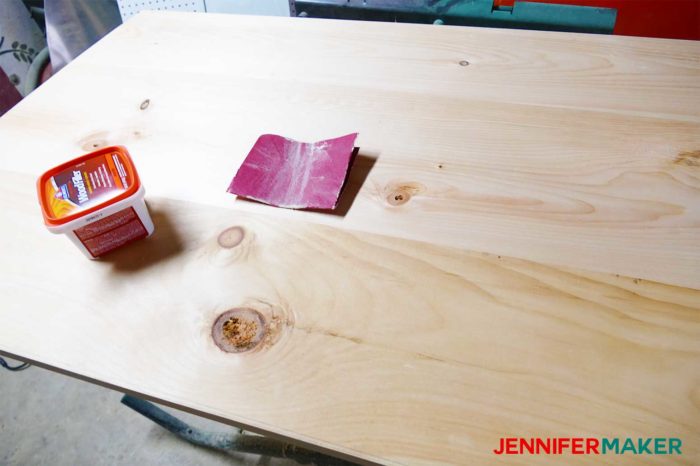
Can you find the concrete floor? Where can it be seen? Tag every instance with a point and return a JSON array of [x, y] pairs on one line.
[[48, 418]]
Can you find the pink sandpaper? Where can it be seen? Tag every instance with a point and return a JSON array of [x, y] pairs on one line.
[[295, 175]]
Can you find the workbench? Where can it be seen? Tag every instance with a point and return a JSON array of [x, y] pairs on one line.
[[516, 253]]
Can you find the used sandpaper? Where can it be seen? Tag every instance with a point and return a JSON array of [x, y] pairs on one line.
[[296, 175]]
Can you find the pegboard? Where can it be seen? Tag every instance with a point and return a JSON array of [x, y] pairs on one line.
[[128, 8]]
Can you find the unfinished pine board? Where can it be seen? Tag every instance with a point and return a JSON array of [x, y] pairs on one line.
[[536, 277], [389, 350], [569, 149]]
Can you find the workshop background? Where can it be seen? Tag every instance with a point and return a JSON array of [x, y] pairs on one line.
[[49, 418]]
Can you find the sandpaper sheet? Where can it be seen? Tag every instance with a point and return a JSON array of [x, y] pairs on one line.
[[297, 175]]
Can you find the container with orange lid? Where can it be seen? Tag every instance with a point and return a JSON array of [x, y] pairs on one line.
[[96, 200]]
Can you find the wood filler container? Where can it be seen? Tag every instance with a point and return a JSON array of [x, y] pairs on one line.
[[96, 200]]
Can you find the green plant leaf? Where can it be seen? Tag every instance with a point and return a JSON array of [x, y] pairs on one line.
[[31, 51], [16, 55], [15, 44], [23, 46], [23, 57]]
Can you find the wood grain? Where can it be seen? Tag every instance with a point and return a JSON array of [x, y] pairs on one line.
[[522, 257], [390, 350], [568, 149]]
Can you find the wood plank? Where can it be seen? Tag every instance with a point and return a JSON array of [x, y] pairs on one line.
[[539, 276], [390, 350], [586, 146]]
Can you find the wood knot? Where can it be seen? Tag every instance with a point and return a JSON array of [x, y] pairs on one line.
[[94, 141], [238, 330], [398, 198], [231, 237], [400, 193], [688, 158]]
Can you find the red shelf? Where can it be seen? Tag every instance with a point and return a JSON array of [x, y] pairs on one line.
[[674, 19]]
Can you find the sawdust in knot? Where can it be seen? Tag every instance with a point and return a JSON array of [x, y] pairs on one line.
[[238, 330]]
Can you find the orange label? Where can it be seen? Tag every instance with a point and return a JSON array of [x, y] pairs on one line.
[[86, 184]]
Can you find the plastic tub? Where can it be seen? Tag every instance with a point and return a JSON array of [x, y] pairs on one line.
[[96, 200]]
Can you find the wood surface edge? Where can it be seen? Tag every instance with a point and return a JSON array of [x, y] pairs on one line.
[[340, 453]]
